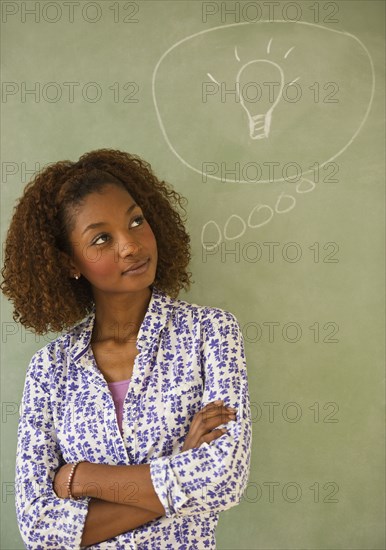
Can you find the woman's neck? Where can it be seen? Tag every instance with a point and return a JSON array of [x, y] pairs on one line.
[[119, 320]]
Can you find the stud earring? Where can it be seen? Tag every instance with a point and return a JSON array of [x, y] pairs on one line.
[[76, 277]]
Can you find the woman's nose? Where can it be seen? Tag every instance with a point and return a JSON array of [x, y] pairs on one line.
[[128, 247]]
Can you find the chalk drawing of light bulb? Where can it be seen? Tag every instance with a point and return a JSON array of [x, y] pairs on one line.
[[260, 113], [267, 77]]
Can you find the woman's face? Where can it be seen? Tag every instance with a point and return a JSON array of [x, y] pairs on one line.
[[110, 236]]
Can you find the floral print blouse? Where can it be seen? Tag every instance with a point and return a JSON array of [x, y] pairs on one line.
[[189, 355]]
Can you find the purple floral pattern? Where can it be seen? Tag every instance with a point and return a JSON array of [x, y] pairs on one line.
[[189, 355]]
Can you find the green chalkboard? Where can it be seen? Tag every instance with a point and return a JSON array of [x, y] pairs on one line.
[[269, 118]]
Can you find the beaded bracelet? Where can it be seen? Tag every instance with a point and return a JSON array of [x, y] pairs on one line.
[[70, 480]]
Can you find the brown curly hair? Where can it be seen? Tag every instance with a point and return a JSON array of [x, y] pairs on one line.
[[36, 278]]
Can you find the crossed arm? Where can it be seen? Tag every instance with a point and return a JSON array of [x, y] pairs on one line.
[[123, 498], [106, 520]]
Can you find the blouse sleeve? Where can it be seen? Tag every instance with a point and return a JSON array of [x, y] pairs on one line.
[[213, 477], [45, 520]]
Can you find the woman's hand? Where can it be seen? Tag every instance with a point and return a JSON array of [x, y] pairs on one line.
[[203, 424], [61, 479]]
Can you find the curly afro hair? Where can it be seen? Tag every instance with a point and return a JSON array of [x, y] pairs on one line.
[[35, 274]]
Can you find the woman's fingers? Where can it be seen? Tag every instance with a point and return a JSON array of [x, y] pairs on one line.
[[214, 434], [209, 418], [216, 405], [204, 421], [216, 411], [213, 418]]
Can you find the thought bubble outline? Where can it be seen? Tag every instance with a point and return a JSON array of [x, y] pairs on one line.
[[163, 130]]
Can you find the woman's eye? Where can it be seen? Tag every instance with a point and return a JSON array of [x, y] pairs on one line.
[[138, 220], [100, 237]]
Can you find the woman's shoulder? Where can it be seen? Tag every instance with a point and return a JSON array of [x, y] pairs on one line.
[[205, 313], [57, 350]]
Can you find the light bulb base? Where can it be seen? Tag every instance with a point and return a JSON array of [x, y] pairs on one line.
[[259, 126]]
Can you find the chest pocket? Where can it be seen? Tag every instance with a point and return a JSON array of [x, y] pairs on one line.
[[181, 403]]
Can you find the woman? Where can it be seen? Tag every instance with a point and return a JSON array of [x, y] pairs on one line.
[[121, 440]]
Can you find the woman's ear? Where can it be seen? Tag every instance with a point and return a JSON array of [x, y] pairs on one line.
[[68, 264]]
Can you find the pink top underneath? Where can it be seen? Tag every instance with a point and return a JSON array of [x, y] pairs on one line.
[[118, 391]]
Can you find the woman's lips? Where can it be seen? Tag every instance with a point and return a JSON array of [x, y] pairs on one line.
[[137, 268]]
